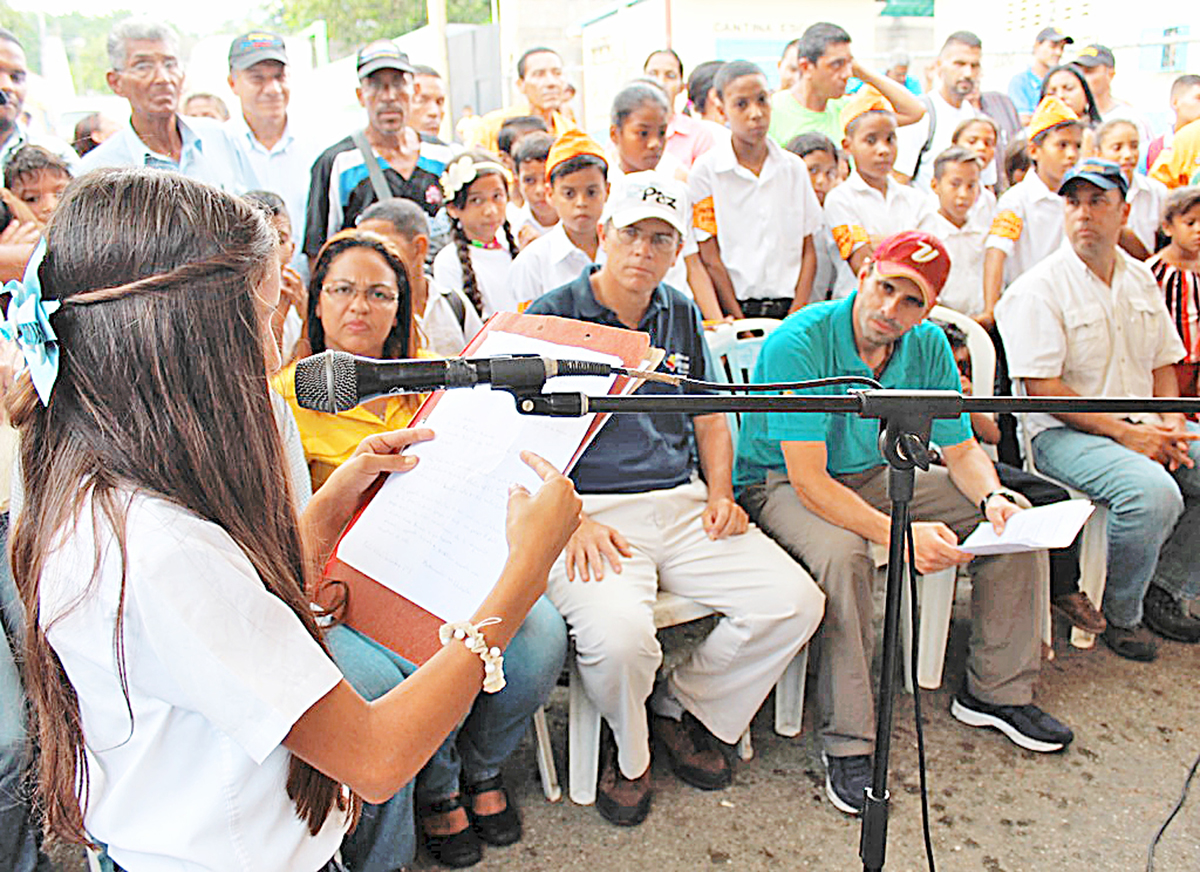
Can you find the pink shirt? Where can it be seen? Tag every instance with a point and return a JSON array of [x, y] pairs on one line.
[[688, 138]]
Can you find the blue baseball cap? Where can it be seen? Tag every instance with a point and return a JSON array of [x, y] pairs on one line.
[[1104, 174]]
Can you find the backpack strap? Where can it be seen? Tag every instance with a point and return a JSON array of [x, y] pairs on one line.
[[460, 309], [378, 182], [932, 116]]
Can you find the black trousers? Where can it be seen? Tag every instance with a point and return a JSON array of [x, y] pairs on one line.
[[1064, 562]]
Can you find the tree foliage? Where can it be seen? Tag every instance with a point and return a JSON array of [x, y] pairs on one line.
[[353, 23]]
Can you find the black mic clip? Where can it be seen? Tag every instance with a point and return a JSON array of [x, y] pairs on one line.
[[562, 405]]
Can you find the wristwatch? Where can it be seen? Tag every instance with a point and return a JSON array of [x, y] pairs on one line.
[[1007, 494]]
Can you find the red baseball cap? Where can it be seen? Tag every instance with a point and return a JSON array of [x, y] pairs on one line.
[[914, 255]]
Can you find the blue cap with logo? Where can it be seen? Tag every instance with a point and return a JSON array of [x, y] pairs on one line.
[[1104, 174], [257, 45]]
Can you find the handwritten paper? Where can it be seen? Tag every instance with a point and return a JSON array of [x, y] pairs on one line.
[[1052, 526], [436, 535]]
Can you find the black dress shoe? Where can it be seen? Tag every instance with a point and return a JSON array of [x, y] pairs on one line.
[[1165, 616], [1136, 644], [456, 850], [501, 828]]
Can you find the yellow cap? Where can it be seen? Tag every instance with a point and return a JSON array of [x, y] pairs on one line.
[[1049, 112], [571, 144], [867, 99]]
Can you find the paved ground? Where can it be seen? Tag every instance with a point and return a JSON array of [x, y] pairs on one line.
[[995, 807]]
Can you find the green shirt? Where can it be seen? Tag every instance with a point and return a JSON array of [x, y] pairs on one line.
[[789, 118], [818, 342]]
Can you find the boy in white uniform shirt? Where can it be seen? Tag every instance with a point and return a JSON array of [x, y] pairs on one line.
[[870, 205], [1029, 217], [957, 182], [754, 209], [577, 186]]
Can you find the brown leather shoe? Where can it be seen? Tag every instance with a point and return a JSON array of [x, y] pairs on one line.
[[693, 752], [1078, 609], [620, 800]]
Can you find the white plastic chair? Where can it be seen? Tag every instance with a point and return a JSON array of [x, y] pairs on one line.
[[583, 725], [1093, 548]]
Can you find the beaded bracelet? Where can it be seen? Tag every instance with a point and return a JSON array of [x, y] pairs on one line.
[[469, 635]]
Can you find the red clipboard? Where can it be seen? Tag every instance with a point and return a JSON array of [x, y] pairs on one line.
[[389, 618]]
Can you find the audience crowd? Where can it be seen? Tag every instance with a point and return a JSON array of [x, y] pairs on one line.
[[844, 206]]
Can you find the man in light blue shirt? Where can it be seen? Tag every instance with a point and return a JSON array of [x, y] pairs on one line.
[[1025, 88], [267, 138], [146, 71]]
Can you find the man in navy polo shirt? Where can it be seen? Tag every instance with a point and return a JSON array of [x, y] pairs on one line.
[[655, 523], [818, 485]]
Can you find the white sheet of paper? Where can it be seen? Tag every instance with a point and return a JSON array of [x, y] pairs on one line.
[[436, 535], [1052, 526]]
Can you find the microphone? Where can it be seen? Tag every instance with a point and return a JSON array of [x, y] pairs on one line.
[[334, 381]]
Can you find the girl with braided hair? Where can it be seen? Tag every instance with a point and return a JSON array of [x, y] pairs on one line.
[[185, 703], [475, 185]]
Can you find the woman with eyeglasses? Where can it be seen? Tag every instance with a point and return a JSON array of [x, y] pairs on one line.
[[359, 302]]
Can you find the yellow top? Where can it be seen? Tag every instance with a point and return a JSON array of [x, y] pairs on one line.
[[1179, 163], [486, 131], [330, 440]]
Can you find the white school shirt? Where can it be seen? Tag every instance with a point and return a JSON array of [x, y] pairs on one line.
[[833, 278], [910, 138], [548, 262], [1146, 198], [858, 214], [218, 670], [493, 271], [1028, 225], [759, 221], [1059, 320], [963, 290], [521, 216], [439, 324]]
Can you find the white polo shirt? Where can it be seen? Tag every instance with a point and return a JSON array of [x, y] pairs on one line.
[[963, 290], [858, 214], [909, 139], [1058, 320], [1028, 225], [1146, 198], [549, 262], [759, 221], [219, 670]]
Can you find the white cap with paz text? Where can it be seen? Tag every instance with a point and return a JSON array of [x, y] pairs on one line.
[[648, 194]]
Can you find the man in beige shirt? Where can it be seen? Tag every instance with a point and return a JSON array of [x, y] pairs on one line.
[[1090, 321]]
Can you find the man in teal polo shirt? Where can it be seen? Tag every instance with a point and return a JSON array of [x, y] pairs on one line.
[[818, 485]]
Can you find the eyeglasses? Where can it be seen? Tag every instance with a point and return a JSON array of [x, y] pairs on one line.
[[375, 295], [144, 69], [661, 243]]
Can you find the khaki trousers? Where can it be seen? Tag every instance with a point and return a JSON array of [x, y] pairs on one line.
[[1004, 654], [769, 605]]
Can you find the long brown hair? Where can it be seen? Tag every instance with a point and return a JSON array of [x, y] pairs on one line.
[[162, 390]]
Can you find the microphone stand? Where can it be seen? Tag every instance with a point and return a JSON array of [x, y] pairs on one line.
[[906, 418]]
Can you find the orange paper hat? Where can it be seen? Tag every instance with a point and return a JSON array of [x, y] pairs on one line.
[[571, 144], [866, 100], [1049, 112]]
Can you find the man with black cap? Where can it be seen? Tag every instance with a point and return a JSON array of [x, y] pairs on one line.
[[1025, 87], [1089, 320], [263, 132], [1099, 68], [383, 160]]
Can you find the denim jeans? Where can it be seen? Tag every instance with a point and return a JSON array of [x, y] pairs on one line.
[[385, 838], [1152, 528]]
